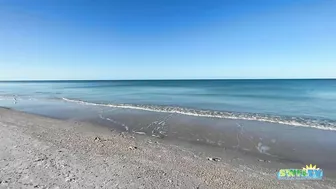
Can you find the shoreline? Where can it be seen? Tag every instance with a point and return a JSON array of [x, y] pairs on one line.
[[321, 123], [263, 140], [42, 152]]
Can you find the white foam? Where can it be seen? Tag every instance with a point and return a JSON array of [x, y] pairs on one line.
[[115, 122], [211, 114]]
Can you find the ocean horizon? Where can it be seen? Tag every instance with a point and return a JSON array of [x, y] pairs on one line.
[[168, 79]]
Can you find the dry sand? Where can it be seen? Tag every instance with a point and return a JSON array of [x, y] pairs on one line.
[[40, 152]]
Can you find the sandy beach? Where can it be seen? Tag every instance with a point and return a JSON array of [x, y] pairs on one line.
[[167, 94], [40, 152]]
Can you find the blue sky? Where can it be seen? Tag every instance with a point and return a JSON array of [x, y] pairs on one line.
[[165, 39]]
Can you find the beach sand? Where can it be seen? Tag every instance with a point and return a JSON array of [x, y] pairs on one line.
[[41, 152]]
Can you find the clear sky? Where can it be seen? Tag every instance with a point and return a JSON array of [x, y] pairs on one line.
[[167, 39]]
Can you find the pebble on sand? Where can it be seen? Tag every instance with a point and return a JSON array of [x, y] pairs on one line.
[[132, 147], [214, 159], [262, 160], [97, 139]]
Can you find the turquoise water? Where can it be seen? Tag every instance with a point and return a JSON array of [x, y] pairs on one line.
[[309, 103]]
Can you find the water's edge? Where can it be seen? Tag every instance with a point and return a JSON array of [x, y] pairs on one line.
[[293, 121]]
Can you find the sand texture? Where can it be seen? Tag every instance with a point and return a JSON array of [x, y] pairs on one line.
[[40, 152]]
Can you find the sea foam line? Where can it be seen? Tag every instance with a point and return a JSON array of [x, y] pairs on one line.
[[214, 114]]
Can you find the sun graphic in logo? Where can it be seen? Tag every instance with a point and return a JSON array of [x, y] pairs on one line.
[[310, 167]]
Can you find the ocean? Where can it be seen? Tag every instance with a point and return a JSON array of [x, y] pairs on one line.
[[295, 102]]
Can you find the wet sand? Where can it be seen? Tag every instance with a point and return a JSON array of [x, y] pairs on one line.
[[268, 141], [261, 140], [41, 152]]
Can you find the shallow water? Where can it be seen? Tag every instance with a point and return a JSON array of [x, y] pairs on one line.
[[261, 140], [310, 103]]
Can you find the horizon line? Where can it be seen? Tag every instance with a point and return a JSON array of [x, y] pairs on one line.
[[37, 80]]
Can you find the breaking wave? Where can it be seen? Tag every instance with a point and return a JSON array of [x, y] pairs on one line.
[[287, 120]]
